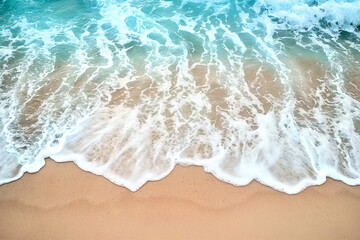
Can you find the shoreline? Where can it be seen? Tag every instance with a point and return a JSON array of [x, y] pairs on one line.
[[62, 201]]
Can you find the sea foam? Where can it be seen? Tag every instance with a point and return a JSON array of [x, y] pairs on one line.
[[264, 90]]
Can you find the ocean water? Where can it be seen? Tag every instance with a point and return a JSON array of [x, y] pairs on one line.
[[259, 89]]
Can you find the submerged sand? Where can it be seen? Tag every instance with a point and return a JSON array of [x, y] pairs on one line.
[[64, 202]]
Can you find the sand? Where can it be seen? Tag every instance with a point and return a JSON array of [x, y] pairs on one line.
[[64, 202]]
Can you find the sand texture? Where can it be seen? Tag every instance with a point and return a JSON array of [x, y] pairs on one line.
[[64, 202]]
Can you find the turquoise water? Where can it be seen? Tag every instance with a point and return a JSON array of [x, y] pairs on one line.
[[264, 89]]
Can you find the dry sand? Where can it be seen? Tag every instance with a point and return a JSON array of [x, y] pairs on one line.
[[63, 202]]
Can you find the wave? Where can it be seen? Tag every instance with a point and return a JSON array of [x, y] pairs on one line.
[[264, 90], [308, 14]]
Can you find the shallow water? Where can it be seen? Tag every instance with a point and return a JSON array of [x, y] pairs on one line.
[[266, 90]]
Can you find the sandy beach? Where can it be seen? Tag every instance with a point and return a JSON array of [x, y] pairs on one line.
[[64, 202], [260, 89]]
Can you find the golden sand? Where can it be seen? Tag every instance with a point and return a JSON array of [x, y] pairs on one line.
[[63, 202]]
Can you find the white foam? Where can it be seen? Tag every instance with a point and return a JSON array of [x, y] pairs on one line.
[[343, 15], [233, 97]]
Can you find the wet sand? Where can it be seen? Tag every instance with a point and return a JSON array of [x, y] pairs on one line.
[[64, 202]]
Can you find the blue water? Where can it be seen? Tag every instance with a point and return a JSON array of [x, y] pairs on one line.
[[264, 89]]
